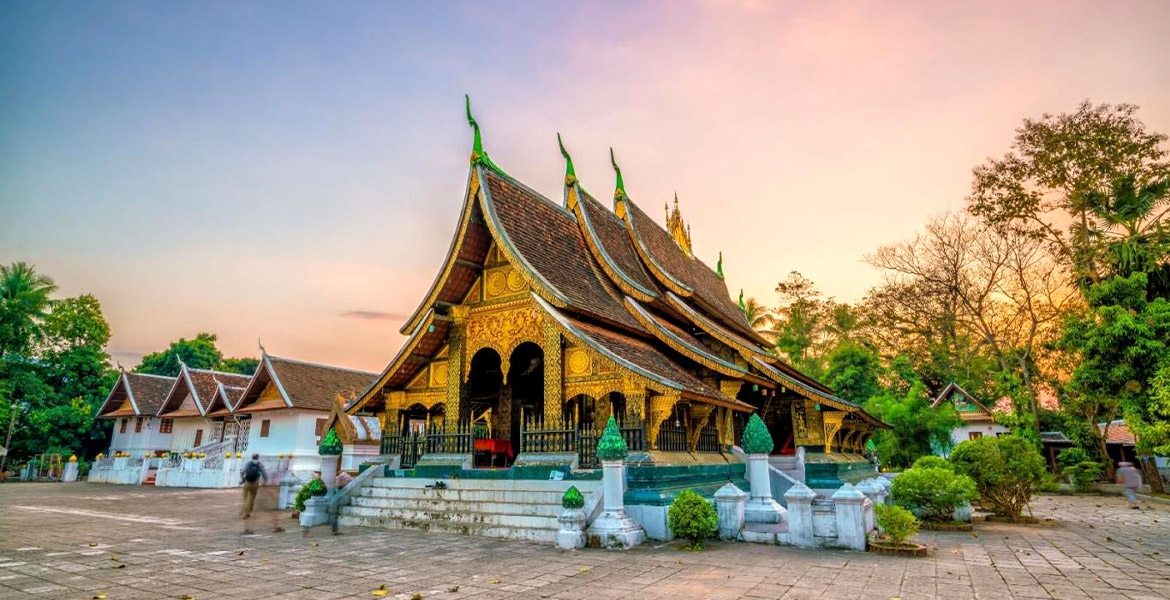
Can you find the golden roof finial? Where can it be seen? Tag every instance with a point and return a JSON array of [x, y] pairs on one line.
[[678, 228]]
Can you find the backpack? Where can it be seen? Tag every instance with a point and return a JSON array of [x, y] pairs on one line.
[[252, 471]]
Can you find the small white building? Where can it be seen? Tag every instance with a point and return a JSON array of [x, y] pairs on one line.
[[978, 420], [288, 402], [133, 405], [196, 408]]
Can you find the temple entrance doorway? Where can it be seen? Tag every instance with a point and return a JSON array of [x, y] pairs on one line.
[[525, 388]]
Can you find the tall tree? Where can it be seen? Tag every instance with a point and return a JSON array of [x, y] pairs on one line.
[[1059, 166], [24, 302], [199, 352]]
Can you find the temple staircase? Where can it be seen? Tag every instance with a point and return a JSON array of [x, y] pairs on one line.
[[506, 508]]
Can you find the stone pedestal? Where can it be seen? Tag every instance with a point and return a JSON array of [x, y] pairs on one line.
[[875, 493], [290, 484], [572, 532], [329, 470], [800, 517], [761, 507], [614, 528], [70, 472], [729, 502], [850, 508], [316, 512]]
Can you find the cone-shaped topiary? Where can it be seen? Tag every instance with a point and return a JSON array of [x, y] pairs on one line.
[[756, 439], [573, 498], [330, 444], [611, 446]]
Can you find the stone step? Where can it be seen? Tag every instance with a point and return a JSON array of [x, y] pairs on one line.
[[518, 521], [447, 505], [486, 484], [541, 534], [499, 496]]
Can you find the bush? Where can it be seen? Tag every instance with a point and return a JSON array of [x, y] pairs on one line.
[[692, 518], [1071, 457], [932, 493], [931, 461], [315, 487], [1006, 470], [1083, 475], [897, 524]]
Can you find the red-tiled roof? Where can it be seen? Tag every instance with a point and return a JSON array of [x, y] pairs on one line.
[[705, 285], [148, 393], [1118, 433], [546, 237], [611, 236], [315, 386]]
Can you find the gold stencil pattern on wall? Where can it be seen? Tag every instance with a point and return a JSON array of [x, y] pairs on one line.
[[438, 374], [577, 361]]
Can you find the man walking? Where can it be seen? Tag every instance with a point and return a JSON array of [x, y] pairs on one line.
[[252, 475], [1131, 480]]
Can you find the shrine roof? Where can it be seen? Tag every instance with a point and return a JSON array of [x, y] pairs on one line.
[[608, 234], [689, 275], [683, 342], [201, 384], [639, 357], [546, 239], [424, 341], [954, 388], [224, 399], [305, 385], [813, 393], [146, 393]]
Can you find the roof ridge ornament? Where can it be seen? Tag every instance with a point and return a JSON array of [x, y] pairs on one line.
[[570, 173], [478, 155], [742, 306], [678, 228], [719, 265], [619, 192]]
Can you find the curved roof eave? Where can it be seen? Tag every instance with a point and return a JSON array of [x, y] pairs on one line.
[[680, 345], [593, 241], [404, 352], [669, 280]]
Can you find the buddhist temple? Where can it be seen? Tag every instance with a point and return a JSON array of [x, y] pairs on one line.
[[548, 317]]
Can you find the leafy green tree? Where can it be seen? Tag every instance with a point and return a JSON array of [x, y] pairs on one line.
[[917, 428], [1129, 218], [24, 302], [1122, 342], [853, 373], [1051, 183], [1006, 470], [243, 366], [199, 352]]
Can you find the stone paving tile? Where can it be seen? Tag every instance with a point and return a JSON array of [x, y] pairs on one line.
[[61, 541]]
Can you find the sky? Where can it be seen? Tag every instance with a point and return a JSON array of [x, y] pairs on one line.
[[292, 172]]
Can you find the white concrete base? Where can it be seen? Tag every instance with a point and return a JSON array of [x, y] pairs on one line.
[[572, 533], [615, 530], [729, 503], [316, 512], [653, 519]]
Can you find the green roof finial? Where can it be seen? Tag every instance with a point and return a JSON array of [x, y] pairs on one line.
[[719, 266], [477, 145], [570, 174], [742, 306], [612, 446], [478, 155], [620, 191]]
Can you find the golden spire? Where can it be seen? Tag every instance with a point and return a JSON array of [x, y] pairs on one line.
[[678, 229]]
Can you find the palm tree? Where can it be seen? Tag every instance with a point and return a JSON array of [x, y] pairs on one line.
[[1131, 221], [24, 302], [759, 317]]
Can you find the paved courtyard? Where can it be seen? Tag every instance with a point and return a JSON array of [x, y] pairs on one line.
[[82, 541]]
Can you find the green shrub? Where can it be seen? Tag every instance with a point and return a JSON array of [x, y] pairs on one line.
[[1006, 470], [1071, 457], [692, 518], [932, 492], [897, 524], [315, 487], [573, 498], [1083, 475], [931, 461]]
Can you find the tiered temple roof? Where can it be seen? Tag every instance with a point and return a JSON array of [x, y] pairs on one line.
[[298, 384], [616, 281], [203, 386], [136, 395]]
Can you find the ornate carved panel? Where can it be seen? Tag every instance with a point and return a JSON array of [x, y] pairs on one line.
[[832, 421], [700, 414], [660, 409], [503, 281], [577, 362], [439, 374], [504, 328]]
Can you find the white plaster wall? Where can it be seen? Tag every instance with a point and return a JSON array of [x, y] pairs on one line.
[[291, 431], [119, 441], [963, 433], [183, 433]]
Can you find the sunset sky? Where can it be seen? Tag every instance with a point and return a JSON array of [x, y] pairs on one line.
[[292, 171]]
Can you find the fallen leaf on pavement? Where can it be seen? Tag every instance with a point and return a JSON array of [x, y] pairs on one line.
[[381, 591]]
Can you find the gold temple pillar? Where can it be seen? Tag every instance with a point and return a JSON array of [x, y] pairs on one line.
[[456, 366], [659, 411], [554, 374], [723, 417], [832, 420]]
